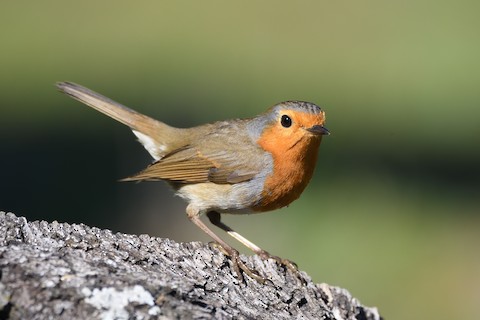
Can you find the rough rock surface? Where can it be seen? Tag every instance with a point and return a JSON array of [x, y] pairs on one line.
[[62, 271]]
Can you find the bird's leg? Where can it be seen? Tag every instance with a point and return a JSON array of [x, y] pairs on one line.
[[193, 215], [216, 220]]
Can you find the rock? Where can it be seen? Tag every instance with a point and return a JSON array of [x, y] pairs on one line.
[[72, 271]]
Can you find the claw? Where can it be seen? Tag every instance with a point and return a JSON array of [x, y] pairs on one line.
[[238, 265], [292, 266]]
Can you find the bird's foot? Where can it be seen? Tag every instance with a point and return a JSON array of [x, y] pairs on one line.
[[238, 265], [290, 265]]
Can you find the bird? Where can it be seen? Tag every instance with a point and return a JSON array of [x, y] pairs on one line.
[[238, 166]]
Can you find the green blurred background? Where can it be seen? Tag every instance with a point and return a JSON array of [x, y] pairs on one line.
[[392, 213]]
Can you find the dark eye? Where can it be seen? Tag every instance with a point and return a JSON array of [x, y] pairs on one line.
[[286, 121]]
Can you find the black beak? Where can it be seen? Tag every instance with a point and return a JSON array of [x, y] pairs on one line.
[[317, 129]]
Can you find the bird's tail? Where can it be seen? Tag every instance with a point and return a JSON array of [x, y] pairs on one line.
[[157, 137]]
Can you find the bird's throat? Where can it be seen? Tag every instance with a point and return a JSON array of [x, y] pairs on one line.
[[292, 170]]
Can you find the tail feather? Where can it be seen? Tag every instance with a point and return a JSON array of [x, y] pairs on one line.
[[157, 136]]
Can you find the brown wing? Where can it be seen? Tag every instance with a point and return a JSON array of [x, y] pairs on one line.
[[190, 165], [183, 165]]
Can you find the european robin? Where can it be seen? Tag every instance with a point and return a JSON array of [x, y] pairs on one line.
[[234, 166]]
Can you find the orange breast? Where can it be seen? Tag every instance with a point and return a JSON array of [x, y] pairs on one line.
[[294, 162]]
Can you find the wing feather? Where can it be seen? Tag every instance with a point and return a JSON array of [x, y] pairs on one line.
[[183, 166], [211, 159]]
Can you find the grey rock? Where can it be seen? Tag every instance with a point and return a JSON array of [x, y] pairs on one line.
[[72, 271]]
